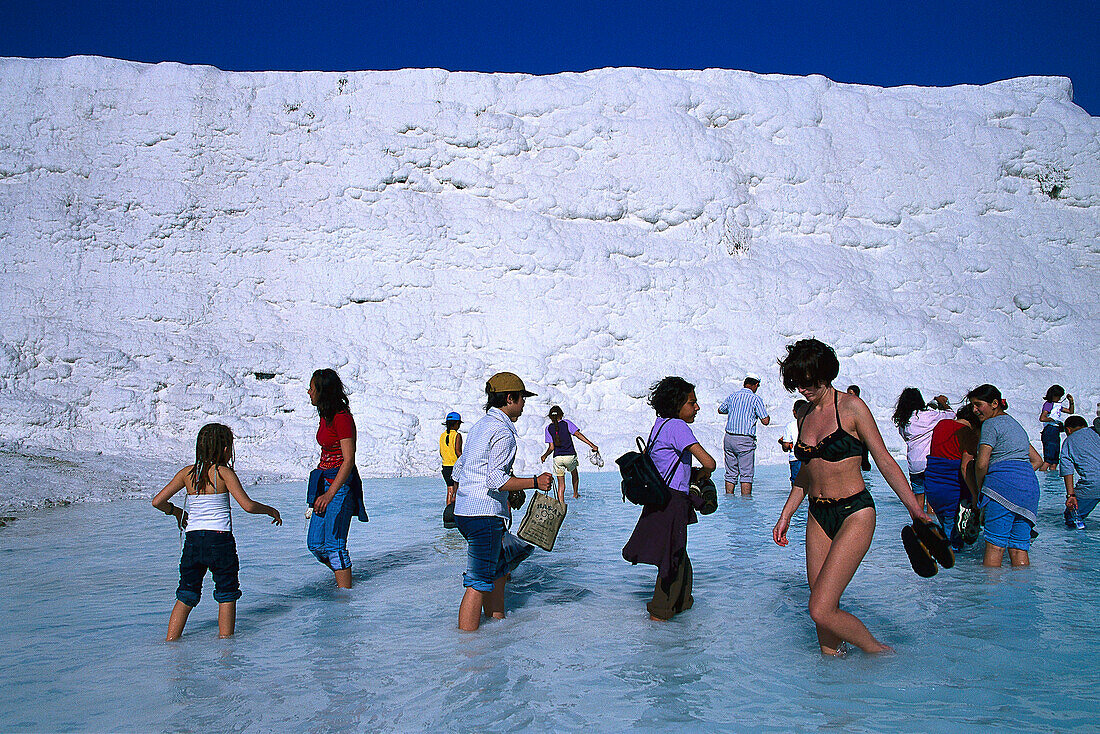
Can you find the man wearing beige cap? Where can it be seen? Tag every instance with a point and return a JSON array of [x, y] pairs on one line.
[[487, 491], [744, 407]]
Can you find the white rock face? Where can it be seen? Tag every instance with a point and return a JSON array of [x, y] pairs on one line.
[[173, 236]]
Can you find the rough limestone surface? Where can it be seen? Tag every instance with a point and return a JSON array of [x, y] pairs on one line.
[[182, 245]]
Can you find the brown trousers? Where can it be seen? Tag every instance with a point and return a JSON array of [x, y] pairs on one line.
[[673, 596]]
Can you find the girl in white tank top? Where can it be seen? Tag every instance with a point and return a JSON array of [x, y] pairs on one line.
[[209, 545]]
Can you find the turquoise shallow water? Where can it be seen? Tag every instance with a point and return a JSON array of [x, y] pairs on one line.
[[88, 588]]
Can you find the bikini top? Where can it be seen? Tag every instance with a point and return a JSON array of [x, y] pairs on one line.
[[837, 446]]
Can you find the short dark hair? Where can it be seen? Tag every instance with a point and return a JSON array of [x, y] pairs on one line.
[[800, 404], [500, 399], [1054, 393], [854, 389], [750, 381], [1075, 422], [668, 395], [808, 363], [968, 414]]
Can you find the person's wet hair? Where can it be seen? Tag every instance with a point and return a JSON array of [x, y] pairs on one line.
[[667, 396], [808, 363], [213, 447]]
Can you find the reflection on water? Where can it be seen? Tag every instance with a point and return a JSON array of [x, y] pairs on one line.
[[88, 589]]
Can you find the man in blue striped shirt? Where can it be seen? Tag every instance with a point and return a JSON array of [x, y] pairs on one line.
[[744, 407]]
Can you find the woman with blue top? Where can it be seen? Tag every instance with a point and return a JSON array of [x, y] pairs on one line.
[[660, 537], [834, 431], [1004, 471], [1051, 417], [335, 491]]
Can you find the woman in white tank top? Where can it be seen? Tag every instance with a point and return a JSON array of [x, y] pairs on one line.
[[209, 544]]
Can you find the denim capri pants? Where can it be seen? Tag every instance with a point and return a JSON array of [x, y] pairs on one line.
[[1003, 527], [327, 538], [485, 561], [213, 550]]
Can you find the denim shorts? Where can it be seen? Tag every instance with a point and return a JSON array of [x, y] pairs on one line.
[[1003, 527], [916, 481], [485, 562], [796, 466], [213, 550]]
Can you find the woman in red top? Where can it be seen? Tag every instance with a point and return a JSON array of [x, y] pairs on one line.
[[949, 478], [335, 491]]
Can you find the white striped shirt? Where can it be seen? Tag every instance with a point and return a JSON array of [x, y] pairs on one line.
[[744, 407], [484, 467]]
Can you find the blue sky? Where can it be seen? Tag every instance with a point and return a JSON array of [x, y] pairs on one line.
[[884, 43]]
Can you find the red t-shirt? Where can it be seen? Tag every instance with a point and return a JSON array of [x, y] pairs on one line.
[[945, 440], [329, 436]]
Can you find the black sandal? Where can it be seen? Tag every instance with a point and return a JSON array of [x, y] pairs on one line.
[[932, 537], [918, 555]]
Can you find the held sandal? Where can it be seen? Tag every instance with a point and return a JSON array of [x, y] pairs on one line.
[[919, 557], [932, 537]]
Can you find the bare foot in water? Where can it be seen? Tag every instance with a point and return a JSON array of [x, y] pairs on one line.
[[840, 651]]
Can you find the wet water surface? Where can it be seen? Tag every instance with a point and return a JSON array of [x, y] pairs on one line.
[[88, 588]]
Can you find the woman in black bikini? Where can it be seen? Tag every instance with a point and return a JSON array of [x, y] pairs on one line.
[[833, 433]]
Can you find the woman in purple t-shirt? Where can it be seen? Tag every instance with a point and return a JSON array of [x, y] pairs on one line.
[[660, 537]]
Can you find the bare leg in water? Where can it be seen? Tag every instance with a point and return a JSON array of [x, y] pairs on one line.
[[830, 566]]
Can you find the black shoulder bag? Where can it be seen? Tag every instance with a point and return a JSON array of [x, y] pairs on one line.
[[642, 484]]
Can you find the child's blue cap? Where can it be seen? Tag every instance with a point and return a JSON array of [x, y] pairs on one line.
[[454, 417]]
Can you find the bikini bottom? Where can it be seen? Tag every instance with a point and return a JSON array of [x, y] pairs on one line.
[[831, 513]]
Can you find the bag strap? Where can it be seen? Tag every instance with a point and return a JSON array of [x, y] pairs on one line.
[[648, 446]]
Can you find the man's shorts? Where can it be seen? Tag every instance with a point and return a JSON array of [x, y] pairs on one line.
[[796, 466], [740, 454], [562, 464], [485, 562]]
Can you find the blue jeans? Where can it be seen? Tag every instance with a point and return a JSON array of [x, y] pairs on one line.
[[485, 562], [1050, 436], [916, 481], [327, 538]]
